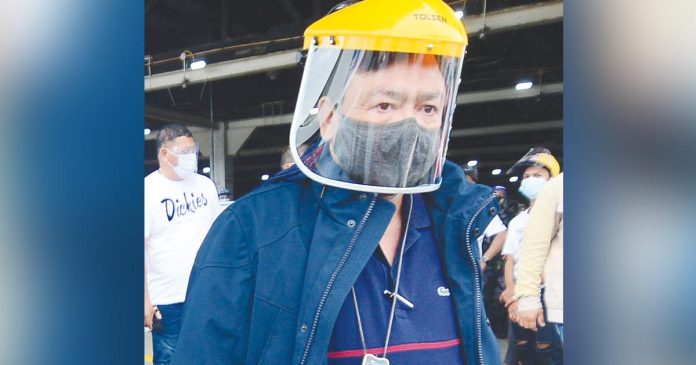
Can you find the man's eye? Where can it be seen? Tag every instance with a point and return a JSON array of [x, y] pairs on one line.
[[383, 106], [429, 109]]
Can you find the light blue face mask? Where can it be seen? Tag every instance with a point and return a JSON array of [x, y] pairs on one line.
[[531, 186], [188, 164]]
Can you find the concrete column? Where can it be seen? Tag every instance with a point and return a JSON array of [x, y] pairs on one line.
[[236, 137], [218, 153]]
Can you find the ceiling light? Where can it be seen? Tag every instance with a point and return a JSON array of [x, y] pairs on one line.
[[206, 170], [147, 131], [198, 64], [264, 177], [472, 163], [459, 14], [514, 179], [496, 171], [524, 85]]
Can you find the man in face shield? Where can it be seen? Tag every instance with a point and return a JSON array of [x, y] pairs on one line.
[[385, 129], [364, 251]]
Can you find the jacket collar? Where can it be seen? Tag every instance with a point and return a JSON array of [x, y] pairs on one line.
[[456, 197]]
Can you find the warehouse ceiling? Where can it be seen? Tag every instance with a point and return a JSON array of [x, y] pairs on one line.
[[495, 132]]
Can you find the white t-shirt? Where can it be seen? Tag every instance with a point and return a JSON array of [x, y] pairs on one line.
[[513, 242], [494, 227], [178, 215]]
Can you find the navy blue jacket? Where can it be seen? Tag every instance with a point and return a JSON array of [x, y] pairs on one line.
[[276, 267]]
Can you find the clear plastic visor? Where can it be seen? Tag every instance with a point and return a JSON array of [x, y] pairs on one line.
[[380, 120]]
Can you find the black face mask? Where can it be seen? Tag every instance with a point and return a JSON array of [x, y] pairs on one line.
[[396, 154]]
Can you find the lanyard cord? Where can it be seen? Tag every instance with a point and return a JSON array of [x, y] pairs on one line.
[[393, 295], [357, 311]]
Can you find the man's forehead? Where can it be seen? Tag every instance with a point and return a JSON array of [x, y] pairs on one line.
[[398, 93], [183, 142], [533, 169], [427, 79]]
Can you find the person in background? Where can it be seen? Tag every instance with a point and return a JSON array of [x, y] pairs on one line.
[[490, 243], [224, 197], [495, 230], [525, 346], [542, 257], [286, 160], [508, 207], [501, 192], [180, 206]]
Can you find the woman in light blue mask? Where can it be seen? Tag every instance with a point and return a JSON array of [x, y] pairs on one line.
[[526, 346]]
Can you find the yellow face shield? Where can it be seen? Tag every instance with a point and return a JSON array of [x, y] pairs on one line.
[[379, 115]]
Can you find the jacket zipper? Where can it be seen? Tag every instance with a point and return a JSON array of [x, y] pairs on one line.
[[338, 269], [477, 280]]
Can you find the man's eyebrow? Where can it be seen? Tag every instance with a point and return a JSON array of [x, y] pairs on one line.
[[398, 95], [425, 96]]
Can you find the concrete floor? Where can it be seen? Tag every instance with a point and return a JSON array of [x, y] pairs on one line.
[[148, 348]]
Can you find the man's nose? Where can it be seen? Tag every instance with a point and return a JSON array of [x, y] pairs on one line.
[[406, 112]]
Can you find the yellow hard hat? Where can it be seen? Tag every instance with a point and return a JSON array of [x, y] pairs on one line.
[[408, 26], [537, 156]]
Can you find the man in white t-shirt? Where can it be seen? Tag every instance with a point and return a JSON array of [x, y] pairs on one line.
[[513, 243], [180, 206], [494, 229]]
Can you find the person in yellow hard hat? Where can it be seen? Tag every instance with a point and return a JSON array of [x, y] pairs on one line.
[[537, 166], [364, 251]]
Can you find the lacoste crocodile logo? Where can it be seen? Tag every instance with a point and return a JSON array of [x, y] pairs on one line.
[[443, 292]]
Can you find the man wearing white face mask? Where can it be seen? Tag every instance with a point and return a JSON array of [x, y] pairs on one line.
[[527, 347], [180, 206]]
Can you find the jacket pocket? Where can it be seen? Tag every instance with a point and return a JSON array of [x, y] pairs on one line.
[[272, 337]]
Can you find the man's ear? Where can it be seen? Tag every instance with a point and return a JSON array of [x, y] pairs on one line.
[[326, 113], [163, 154]]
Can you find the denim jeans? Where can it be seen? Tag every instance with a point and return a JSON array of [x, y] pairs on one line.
[[524, 345], [164, 339], [559, 330]]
